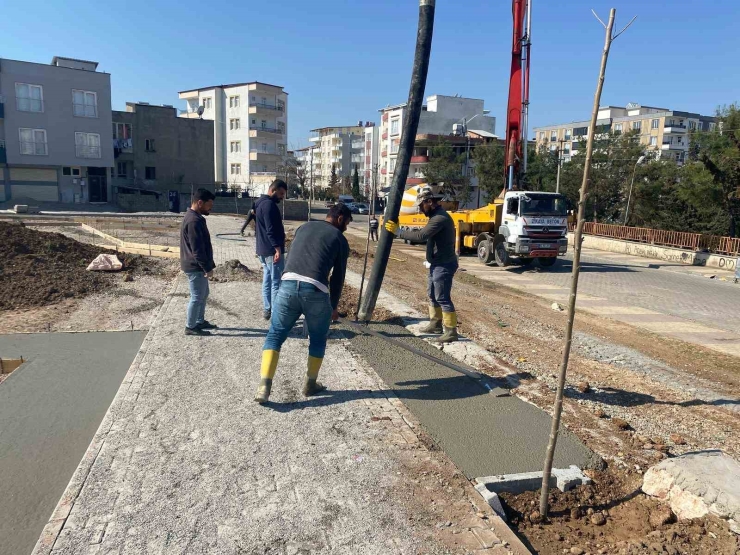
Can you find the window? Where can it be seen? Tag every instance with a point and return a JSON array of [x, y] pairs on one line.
[[236, 169], [87, 145], [653, 141], [654, 124], [33, 141], [281, 149], [394, 147], [542, 135], [580, 131], [636, 125], [394, 126], [264, 124], [122, 131], [236, 146], [29, 98], [254, 122], [264, 100], [150, 172], [553, 136], [568, 134], [75, 172], [281, 127], [149, 145], [264, 167], [233, 102], [618, 128], [712, 126], [66, 171], [121, 169], [692, 125], [85, 104], [207, 103], [393, 165], [264, 147], [234, 124]]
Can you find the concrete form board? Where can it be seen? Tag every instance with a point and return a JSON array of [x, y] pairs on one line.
[[50, 409]]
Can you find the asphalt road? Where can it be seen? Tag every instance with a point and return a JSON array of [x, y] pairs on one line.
[[50, 408]]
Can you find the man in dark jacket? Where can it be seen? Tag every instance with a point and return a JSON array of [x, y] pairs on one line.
[[196, 260], [319, 248], [441, 259], [250, 218], [270, 235]]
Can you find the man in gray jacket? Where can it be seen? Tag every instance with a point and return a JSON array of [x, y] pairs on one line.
[[196, 260], [439, 235]]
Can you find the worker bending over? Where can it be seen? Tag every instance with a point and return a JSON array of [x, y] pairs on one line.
[[318, 249], [439, 234]]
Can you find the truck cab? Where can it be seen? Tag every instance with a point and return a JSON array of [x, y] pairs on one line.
[[532, 225]]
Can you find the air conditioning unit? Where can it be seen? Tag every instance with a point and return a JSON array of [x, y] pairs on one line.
[[458, 129]]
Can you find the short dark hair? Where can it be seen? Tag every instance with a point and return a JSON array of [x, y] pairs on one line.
[[339, 209], [203, 194], [278, 184]]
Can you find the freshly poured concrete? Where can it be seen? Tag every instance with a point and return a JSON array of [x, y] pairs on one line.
[[484, 433], [50, 408]]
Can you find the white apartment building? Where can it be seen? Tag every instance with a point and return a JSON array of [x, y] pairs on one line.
[[336, 147], [440, 116], [663, 132], [250, 131], [368, 168]]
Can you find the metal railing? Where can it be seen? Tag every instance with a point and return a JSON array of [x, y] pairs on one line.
[[278, 107], [267, 129], [85, 151], [676, 125], [260, 151], [679, 239]]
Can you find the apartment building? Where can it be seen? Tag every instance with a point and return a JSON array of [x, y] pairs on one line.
[[340, 148], [250, 131], [157, 151], [55, 121], [664, 132], [369, 163]]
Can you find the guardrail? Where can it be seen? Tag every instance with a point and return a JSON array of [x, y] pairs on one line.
[[679, 239]]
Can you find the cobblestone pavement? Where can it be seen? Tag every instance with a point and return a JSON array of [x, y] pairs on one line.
[[186, 462], [673, 301]]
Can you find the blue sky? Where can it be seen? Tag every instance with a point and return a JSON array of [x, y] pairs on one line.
[[341, 60]]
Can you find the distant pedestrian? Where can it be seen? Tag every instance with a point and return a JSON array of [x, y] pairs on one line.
[[196, 260], [374, 228], [319, 248], [270, 235], [250, 218]]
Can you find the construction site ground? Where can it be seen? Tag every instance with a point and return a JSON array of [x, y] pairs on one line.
[[632, 396], [185, 462]]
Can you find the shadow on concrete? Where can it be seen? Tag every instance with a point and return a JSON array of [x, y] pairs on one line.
[[621, 398], [246, 332]]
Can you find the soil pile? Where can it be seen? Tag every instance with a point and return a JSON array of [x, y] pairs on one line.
[[348, 308], [234, 270]]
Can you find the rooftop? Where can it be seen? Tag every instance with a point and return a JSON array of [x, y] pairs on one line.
[[56, 59], [232, 85]]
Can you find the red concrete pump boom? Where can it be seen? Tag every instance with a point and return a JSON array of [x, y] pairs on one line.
[[518, 106]]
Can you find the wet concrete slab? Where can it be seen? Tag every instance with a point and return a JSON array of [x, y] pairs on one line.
[[50, 408], [484, 433]]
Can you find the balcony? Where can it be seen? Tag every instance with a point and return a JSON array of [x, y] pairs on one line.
[[669, 128], [267, 132], [384, 136], [262, 156], [266, 108], [3, 154], [419, 159], [384, 117], [414, 180], [358, 144], [384, 153], [670, 145], [384, 171]]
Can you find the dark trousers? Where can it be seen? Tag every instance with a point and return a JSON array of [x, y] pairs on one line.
[[374, 234], [439, 285]]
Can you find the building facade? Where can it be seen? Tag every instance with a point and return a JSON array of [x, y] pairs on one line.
[[55, 121], [369, 165], [250, 131], [663, 132], [443, 118], [157, 151], [340, 148]]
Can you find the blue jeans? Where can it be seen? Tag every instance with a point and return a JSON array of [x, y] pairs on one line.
[[439, 286], [198, 295], [293, 299], [271, 274]]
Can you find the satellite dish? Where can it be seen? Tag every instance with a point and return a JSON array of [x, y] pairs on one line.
[[200, 111]]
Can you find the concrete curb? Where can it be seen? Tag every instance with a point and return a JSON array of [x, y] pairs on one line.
[[129, 389]]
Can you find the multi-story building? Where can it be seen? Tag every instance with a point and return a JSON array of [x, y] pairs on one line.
[[665, 133], [340, 148], [55, 121], [369, 162], [158, 151], [443, 118], [250, 131]]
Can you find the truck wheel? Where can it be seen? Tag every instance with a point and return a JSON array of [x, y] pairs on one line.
[[485, 251], [502, 257], [525, 261], [547, 261]]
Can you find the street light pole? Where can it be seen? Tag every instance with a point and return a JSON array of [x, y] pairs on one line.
[[629, 197]]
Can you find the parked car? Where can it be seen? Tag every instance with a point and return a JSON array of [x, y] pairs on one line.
[[329, 203], [362, 208]]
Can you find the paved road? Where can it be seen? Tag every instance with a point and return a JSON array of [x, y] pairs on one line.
[[676, 301]]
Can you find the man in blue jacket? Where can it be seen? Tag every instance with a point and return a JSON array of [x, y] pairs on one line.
[[270, 235]]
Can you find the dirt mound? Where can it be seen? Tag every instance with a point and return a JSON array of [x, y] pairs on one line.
[[348, 308], [234, 270]]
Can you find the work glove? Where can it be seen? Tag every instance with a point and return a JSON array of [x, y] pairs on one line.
[[427, 265], [392, 227]]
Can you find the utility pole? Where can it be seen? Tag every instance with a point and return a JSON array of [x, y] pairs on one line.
[[560, 164], [310, 193], [558, 409], [406, 147]]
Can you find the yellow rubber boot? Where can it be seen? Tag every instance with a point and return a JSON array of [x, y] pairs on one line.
[[311, 386], [435, 321], [449, 320], [269, 365]]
